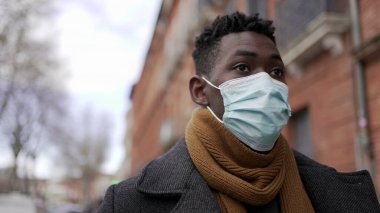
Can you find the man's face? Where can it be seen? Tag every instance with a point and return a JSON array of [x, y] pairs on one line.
[[242, 54]]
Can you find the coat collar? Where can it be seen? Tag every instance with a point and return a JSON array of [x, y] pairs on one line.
[[168, 174], [174, 174]]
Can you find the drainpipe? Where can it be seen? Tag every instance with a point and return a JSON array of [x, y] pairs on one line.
[[364, 152]]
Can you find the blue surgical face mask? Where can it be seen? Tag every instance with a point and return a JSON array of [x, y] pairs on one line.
[[255, 109]]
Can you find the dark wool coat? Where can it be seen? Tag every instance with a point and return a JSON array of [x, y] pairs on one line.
[[171, 183]]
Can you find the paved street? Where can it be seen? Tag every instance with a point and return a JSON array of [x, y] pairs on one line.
[[16, 203]]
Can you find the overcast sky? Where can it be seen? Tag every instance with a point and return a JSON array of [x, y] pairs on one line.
[[103, 46]]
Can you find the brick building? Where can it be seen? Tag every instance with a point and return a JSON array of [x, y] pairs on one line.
[[331, 51]]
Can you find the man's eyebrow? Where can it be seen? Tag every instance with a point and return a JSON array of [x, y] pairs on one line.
[[276, 56], [254, 54], [245, 53]]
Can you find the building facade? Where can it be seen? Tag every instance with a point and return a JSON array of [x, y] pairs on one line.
[[331, 51]]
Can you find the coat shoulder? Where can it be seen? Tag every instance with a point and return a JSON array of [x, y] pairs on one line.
[[156, 189], [124, 197], [333, 191], [119, 196]]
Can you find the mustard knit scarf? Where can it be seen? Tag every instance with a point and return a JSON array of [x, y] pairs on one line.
[[237, 174]]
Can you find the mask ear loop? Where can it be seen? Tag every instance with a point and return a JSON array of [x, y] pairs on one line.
[[209, 83], [209, 109]]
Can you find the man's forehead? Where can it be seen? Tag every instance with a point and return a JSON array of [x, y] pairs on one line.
[[235, 43]]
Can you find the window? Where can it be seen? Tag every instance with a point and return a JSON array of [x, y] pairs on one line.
[[257, 6], [302, 132], [294, 16]]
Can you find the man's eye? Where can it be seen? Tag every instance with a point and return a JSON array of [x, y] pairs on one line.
[[242, 68], [277, 72]]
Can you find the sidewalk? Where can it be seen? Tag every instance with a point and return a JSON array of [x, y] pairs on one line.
[[16, 203]]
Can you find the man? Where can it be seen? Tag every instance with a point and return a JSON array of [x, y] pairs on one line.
[[233, 158]]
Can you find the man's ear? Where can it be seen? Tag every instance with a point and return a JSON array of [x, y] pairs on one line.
[[197, 90]]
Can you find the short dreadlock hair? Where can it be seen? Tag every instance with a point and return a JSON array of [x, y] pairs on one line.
[[207, 43]]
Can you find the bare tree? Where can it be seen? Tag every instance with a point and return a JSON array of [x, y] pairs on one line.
[[25, 60], [33, 110], [29, 77], [84, 151]]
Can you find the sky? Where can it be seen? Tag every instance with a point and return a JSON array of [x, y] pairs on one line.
[[103, 45]]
